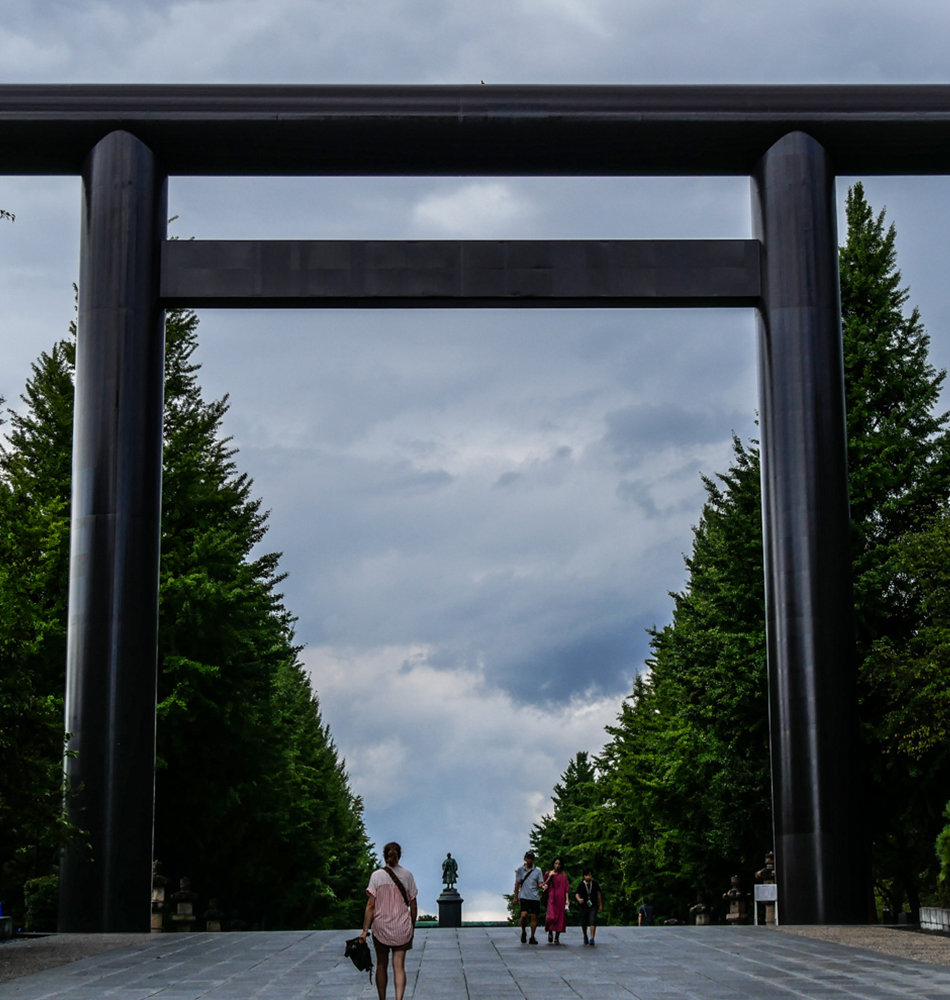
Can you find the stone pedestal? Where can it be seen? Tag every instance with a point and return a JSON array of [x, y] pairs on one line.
[[158, 897], [737, 912], [450, 909], [767, 891], [213, 917], [701, 911], [736, 898], [183, 919]]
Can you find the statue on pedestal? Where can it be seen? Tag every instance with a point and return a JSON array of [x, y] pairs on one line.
[[450, 902], [450, 872]]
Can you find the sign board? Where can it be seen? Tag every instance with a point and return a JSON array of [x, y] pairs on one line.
[[766, 893]]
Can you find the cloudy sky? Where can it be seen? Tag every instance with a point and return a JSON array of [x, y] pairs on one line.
[[480, 511]]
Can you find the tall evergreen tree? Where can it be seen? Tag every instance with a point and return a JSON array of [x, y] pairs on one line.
[[898, 444], [34, 556], [579, 831], [244, 760], [566, 832], [252, 800], [685, 772], [899, 477], [687, 764]]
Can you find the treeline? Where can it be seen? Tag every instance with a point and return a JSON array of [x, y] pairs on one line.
[[252, 799], [679, 799]]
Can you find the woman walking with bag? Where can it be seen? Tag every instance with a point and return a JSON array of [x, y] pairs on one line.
[[391, 909], [557, 886]]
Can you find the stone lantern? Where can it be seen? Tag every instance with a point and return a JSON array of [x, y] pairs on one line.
[[737, 898], [213, 917], [158, 897], [766, 876], [183, 919], [701, 911]]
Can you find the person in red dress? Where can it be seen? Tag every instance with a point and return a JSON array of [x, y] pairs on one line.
[[557, 885]]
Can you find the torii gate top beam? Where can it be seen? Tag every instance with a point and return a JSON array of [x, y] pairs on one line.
[[476, 130]]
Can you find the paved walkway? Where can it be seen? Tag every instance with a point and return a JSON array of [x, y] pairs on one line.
[[904, 942], [663, 963]]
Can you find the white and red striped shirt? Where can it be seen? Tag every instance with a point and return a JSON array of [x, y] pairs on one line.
[[392, 920]]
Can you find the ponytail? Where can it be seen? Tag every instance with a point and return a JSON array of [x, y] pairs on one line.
[[392, 852]]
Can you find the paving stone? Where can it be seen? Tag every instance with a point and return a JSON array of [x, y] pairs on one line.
[[683, 963]]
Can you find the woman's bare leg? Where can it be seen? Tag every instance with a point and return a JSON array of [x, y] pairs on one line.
[[399, 973], [382, 979]]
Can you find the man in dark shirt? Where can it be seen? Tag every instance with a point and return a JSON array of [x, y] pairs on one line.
[[645, 914], [591, 902]]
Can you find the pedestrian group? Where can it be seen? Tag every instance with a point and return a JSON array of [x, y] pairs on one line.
[[534, 889], [391, 909]]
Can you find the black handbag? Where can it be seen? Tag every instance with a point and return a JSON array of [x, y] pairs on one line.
[[358, 953]]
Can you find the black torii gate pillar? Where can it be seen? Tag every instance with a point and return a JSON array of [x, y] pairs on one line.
[[113, 599], [813, 731], [116, 523]]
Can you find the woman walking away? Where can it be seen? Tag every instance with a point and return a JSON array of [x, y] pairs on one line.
[[557, 886], [391, 909]]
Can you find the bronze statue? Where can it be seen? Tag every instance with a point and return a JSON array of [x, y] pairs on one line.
[[450, 872]]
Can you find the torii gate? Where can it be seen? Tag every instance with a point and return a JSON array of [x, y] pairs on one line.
[[791, 140]]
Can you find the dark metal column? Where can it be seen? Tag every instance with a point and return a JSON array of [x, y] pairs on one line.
[[116, 505], [819, 827]]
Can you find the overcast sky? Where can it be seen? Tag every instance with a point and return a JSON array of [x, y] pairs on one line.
[[480, 511]]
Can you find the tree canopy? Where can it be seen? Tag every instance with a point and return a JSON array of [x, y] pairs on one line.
[[680, 798], [252, 799]]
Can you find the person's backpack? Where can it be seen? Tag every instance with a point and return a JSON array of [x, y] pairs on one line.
[[359, 954]]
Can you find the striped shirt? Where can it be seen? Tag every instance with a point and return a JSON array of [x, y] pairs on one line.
[[392, 920]]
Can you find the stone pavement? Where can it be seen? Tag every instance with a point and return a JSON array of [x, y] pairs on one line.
[[662, 963]]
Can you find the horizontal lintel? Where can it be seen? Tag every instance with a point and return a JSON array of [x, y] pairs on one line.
[[459, 273], [452, 130]]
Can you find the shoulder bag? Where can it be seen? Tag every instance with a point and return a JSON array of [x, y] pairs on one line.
[[399, 885]]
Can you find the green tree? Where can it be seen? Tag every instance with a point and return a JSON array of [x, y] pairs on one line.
[[687, 763], [579, 829], [252, 799], [557, 833], [685, 772], [245, 762], [943, 859], [899, 479], [898, 444], [34, 555], [906, 683]]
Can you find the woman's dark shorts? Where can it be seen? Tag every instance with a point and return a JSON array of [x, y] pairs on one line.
[[531, 906], [383, 950]]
